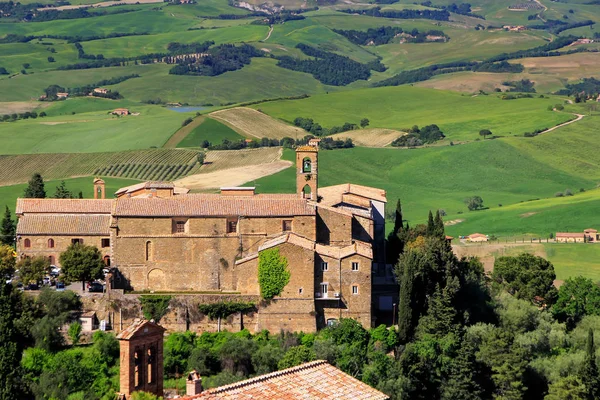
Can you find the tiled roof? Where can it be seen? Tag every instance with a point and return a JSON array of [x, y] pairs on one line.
[[357, 247], [146, 185], [64, 206], [474, 235], [334, 194], [307, 148], [315, 380], [64, 224], [214, 205], [137, 326], [570, 234]]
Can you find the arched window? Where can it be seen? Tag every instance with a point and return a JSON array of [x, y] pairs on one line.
[[306, 192], [306, 165], [51, 259], [27, 243], [51, 243], [148, 251]]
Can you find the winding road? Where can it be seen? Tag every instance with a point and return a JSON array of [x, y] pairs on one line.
[[579, 118]]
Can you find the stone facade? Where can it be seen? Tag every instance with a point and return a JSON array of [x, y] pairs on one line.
[[161, 239]]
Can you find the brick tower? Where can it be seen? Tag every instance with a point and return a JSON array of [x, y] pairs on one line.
[[99, 189], [306, 171], [141, 347]]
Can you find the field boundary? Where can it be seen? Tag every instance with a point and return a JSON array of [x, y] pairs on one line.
[[182, 132]]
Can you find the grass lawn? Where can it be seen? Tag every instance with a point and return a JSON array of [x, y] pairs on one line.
[[210, 130], [571, 260], [460, 117], [93, 131], [9, 194]]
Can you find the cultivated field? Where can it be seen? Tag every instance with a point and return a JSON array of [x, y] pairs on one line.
[[227, 159], [255, 124], [209, 130], [370, 137]]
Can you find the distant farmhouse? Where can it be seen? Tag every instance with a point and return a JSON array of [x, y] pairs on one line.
[[587, 236], [158, 237], [121, 111], [477, 237]]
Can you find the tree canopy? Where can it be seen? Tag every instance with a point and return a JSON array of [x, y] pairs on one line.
[[81, 263], [35, 188], [273, 273], [8, 228]]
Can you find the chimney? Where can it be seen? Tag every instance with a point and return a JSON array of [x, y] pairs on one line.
[[193, 384]]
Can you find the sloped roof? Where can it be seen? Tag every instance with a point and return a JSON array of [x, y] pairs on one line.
[[357, 247], [67, 224], [474, 235], [140, 326], [570, 234], [316, 380], [334, 194], [145, 185], [214, 205], [64, 206]]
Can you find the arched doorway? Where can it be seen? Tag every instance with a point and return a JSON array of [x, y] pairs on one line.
[[306, 192], [156, 279]]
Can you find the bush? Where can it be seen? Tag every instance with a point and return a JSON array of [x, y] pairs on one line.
[[186, 122], [273, 273], [155, 307], [74, 332]]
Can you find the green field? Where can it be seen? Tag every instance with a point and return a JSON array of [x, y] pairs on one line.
[[574, 259], [9, 194], [210, 130], [502, 171], [460, 117]]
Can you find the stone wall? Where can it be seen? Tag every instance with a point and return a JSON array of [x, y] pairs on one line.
[[39, 245]]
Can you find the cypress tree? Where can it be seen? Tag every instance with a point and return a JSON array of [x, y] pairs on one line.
[[62, 192], [589, 372], [405, 312], [7, 230], [430, 225], [35, 189], [80, 194], [395, 243], [462, 382], [399, 219], [439, 225], [10, 350]]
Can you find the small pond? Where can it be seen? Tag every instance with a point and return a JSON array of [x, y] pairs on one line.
[[186, 109]]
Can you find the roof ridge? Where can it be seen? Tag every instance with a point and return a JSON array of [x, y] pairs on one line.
[[261, 378]]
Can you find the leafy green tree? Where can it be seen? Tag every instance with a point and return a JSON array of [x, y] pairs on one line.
[[81, 263], [7, 262], [273, 273], [589, 370], [485, 132], [461, 382], [35, 187], [526, 277], [364, 122], [474, 203], [178, 348], [567, 388], [295, 356], [10, 350], [203, 360], [236, 355], [62, 192], [33, 269], [155, 307], [577, 297], [266, 358], [8, 229], [74, 332]]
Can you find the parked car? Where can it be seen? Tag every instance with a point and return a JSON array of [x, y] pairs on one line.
[[60, 286], [96, 287], [32, 286], [46, 281], [54, 271]]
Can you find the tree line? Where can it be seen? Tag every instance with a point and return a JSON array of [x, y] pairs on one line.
[[417, 137], [523, 86], [587, 86], [30, 13], [462, 8], [330, 68], [384, 34], [286, 142], [438, 15], [221, 59]]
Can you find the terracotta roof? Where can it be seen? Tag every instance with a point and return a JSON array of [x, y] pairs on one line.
[[570, 234], [334, 194], [98, 180], [146, 185], [214, 205], [357, 247], [64, 206], [64, 224], [590, 230], [137, 326], [474, 235], [307, 148], [315, 380]]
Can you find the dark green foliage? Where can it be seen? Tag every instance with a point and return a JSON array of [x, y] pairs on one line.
[[441, 318], [309, 125], [35, 188], [7, 262], [3, 71], [439, 15], [416, 137], [154, 307], [577, 297], [385, 34], [81, 262], [438, 226], [225, 309], [7, 229], [430, 225], [62, 192], [588, 86], [196, 47], [589, 371], [10, 349], [485, 132], [178, 348], [394, 244], [296, 356], [273, 273], [329, 68], [74, 332], [203, 360], [220, 59], [474, 203], [411, 298], [33, 270], [462, 382], [526, 277], [524, 86]]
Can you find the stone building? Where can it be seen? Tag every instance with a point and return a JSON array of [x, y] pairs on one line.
[[161, 238]]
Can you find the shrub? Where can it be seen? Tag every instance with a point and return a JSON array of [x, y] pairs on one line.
[[155, 307], [273, 273], [74, 332]]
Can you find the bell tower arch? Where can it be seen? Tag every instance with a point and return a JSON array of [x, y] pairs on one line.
[[99, 189], [306, 171]]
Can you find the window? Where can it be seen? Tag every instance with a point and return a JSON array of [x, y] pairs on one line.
[[27, 243], [324, 289], [324, 266], [51, 243], [354, 266], [150, 365], [287, 225], [300, 291], [332, 322], [180, 227], [231, 225], [105, 242], [354, 289], [148, 251], [76, 241], [306, 165]]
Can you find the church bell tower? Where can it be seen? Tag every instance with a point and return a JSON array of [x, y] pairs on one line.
[[306, 171]]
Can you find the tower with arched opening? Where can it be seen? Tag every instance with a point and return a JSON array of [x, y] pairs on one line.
[[306, 171], [99, 189]]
